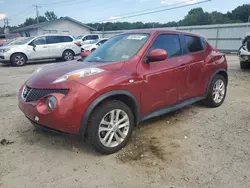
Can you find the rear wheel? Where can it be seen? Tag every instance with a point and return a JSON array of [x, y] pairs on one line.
[[243, 65], [68, 55], [217, 92], [110, 127], [18, 59]]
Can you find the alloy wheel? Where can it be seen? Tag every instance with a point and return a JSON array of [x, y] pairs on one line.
[[219, 91], [19, 60], [114, 128]]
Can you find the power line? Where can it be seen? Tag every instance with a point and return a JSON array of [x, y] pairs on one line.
[[150, 12]]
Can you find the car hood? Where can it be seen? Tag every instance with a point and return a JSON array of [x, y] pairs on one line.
[[10, 46], [46, 75]]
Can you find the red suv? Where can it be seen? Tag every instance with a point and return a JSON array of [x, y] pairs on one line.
[[6, 37], [132, 77]]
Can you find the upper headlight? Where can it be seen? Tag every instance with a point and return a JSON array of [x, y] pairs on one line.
[[78, 74], [4, 50]]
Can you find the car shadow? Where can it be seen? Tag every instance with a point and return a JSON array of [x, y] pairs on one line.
[[52, 140]]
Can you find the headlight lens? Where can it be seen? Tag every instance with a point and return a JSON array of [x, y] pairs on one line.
[[78, 74], [4, 50], [51, 103]]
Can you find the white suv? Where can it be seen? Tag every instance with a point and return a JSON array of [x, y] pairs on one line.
[[42, 47], [85, 39]]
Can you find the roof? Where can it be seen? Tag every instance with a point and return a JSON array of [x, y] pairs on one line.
[[34, 26], [163, 30]]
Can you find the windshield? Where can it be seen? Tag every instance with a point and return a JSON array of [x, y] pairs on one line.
[[118, 48], [18, 41], [79, 37]]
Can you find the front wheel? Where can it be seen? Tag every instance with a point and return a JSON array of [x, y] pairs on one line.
[[18, 59], [216, 92], [68, 55], [110, 127]]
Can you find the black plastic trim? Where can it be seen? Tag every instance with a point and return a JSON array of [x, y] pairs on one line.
[[84, 121]]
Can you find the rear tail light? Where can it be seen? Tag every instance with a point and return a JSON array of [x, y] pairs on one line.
[[78, 44]]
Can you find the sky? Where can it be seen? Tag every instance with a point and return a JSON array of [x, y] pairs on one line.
[[95, 10]]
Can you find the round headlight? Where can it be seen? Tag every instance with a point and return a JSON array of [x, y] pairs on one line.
[[51, 103]]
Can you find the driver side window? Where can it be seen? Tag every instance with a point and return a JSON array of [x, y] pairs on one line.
[[40, 41], [168, 42]]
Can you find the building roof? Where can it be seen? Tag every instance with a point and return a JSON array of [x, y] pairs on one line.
[[34, 26]]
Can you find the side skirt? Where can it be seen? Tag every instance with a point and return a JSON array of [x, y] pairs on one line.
[[172, 108]]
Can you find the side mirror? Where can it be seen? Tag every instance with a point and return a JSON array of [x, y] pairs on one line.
[[157, 55], [85, 54], [32, 44]]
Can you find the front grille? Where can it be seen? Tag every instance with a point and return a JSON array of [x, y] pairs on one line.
[[30, 94]]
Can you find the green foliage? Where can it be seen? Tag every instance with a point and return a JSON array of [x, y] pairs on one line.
[[50, 15], [196, 16]]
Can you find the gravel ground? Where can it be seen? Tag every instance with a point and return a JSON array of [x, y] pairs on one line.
[[195, 147]]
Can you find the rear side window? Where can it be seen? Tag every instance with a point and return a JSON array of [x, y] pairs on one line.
[[194, 44], [91, 37], [66, 39], [168, 42], [53, 39]]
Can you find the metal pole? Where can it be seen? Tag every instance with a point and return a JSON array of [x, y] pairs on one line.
[[37, 12], [217, 35], [248, 21]]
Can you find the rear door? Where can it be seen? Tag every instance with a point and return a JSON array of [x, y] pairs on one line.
[[196, 54], [55, 47], [164, 81]]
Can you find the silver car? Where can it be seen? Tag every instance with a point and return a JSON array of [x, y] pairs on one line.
[[63, 47]]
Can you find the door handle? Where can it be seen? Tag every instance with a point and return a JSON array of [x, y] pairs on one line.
[[44, 46]]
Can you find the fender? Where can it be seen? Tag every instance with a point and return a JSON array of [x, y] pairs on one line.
[[213, 75], [84, 121]]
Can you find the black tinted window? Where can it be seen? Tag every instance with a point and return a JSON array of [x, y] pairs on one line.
[[204, 43], [54, 39], [66, 39], [40, 41], [91, 37], [170, 43], [193, 43]]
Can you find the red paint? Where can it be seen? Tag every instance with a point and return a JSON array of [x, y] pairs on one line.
[[155, 85]]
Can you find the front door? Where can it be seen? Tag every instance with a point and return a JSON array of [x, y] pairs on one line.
[[40, 48], [164, 81]]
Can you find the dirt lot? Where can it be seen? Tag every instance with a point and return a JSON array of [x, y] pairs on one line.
[[195, 147]]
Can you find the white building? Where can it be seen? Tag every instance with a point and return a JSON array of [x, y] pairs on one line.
[[63, 25]]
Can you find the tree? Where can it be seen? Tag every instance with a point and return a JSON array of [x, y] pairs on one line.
[[196, 16], [50, 15], [241, 13]]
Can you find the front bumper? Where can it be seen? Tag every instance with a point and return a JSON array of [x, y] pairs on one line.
[[68, 114]]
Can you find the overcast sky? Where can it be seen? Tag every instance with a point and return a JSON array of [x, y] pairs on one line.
[[94, 10]]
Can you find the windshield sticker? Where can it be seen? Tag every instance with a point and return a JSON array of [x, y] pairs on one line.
[[125, 57], [136, 37]]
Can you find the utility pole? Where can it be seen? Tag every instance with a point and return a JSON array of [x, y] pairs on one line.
[[6, 25], [37, 12]]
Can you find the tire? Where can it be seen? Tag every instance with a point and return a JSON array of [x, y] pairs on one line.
[[243, 65], [18, 59], [210, 100], [68, 55], [103, 112], [93, 49]]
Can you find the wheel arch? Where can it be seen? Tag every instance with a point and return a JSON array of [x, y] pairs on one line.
[[122, 95], [222, 72], [68, 49], [19, 53]]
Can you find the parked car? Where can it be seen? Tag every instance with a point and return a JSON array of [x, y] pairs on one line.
[[130, 78], [244, 52], [93, 45], [5, 37], [15, 41], [85, 39], [42, 47]]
